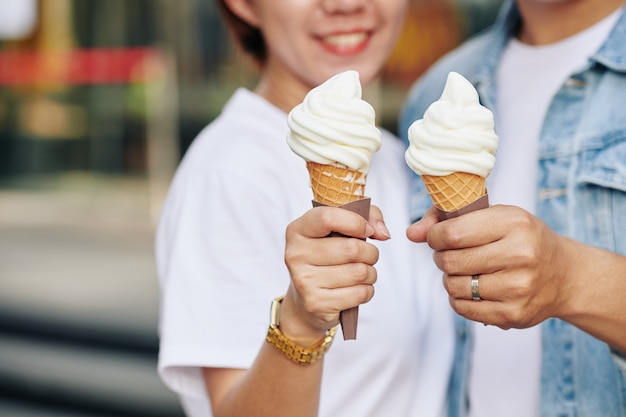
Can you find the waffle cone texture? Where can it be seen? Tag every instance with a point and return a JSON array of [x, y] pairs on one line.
[[455, 191], [335, 185]]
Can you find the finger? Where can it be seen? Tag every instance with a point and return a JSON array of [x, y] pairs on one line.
[[344, 276], [470, 261], [322, 221], [496, 313], [326, 301], [460, 287], [297, 317], [515, 289], [329, 251], [333, 301], [473, 229], [377, 221], [348, 297], [487, 312], [418, 231], [310, 282], [514, 249]]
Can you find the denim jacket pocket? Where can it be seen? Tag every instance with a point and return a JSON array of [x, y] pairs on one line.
[[599, 197], [605, 163]]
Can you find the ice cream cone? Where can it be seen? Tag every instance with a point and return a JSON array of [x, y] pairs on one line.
[[335, 125], [335, 185], [455, 191]]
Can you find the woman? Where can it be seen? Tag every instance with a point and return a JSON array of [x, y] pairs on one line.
[[221, 239]]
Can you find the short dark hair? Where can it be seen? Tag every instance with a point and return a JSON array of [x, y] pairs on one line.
[[249, 38]]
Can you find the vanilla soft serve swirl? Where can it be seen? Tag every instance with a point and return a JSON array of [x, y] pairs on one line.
[[455, 135], [333, 125]]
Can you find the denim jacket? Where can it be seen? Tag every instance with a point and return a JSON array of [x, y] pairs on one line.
[[581, 193]]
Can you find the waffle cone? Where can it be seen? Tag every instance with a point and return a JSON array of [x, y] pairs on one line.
[[335, 185], [454, 191]]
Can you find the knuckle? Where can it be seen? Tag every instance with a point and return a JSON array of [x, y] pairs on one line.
[[515, 318], [300, 283], [374, 254], [374, 275], [351, 248], [365, 293], [290, 231], [521, 218], [313, 304], [522, 287], [459, 307], [293, 256], [449, 285], [327, 217], [451, 236], [526, 255], [360, 272], [445, 261]]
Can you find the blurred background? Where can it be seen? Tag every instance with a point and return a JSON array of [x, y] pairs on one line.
[[99, 99]]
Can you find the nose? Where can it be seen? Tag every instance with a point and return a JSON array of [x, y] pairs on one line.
[[343, 6]]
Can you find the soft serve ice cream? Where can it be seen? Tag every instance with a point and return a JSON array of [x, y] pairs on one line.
[[334, 130], [453, 147], [455, 135]]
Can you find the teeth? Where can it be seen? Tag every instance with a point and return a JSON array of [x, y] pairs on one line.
[[346, 40]]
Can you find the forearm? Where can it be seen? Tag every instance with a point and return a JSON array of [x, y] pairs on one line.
[[328, 276], [275, 385], [594, 296]]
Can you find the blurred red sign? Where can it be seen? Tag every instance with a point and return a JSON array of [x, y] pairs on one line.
[[80, 66]]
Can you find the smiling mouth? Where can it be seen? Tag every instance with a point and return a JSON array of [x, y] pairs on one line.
[[346, 43], [346, 40]]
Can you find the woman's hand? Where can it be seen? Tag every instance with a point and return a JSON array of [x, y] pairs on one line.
[[328, 274]]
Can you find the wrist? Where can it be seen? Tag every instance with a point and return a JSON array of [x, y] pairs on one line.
[[294, 326], [294, 351], [575, 281]]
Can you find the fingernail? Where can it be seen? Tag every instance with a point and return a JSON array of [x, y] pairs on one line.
[[369, 230], [383, 229]]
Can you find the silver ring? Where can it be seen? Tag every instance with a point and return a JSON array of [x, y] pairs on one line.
[[474, 287]]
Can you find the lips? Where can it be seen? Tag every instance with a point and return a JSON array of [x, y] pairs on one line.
[[346, 43]]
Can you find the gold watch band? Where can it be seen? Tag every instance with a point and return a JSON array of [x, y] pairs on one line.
[[293, 351]]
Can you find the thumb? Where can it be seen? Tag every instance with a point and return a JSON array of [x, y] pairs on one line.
[[377, 221], [418, 231]]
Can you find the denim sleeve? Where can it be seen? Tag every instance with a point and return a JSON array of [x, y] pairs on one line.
[[413, 109]]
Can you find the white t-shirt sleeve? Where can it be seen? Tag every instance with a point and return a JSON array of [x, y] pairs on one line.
[[220, 267]]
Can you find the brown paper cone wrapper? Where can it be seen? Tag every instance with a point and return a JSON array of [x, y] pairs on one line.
[[349, 318], [456, 194]]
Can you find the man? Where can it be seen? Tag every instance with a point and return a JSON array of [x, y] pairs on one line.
[[554, 73]]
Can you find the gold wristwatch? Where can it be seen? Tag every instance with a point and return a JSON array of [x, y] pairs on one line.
[[293, 351]]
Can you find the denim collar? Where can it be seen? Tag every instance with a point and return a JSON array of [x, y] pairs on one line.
[[504, 27], [611, 54]]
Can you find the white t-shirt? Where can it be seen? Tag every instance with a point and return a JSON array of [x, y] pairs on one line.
[[220, 250], [506, 365]]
